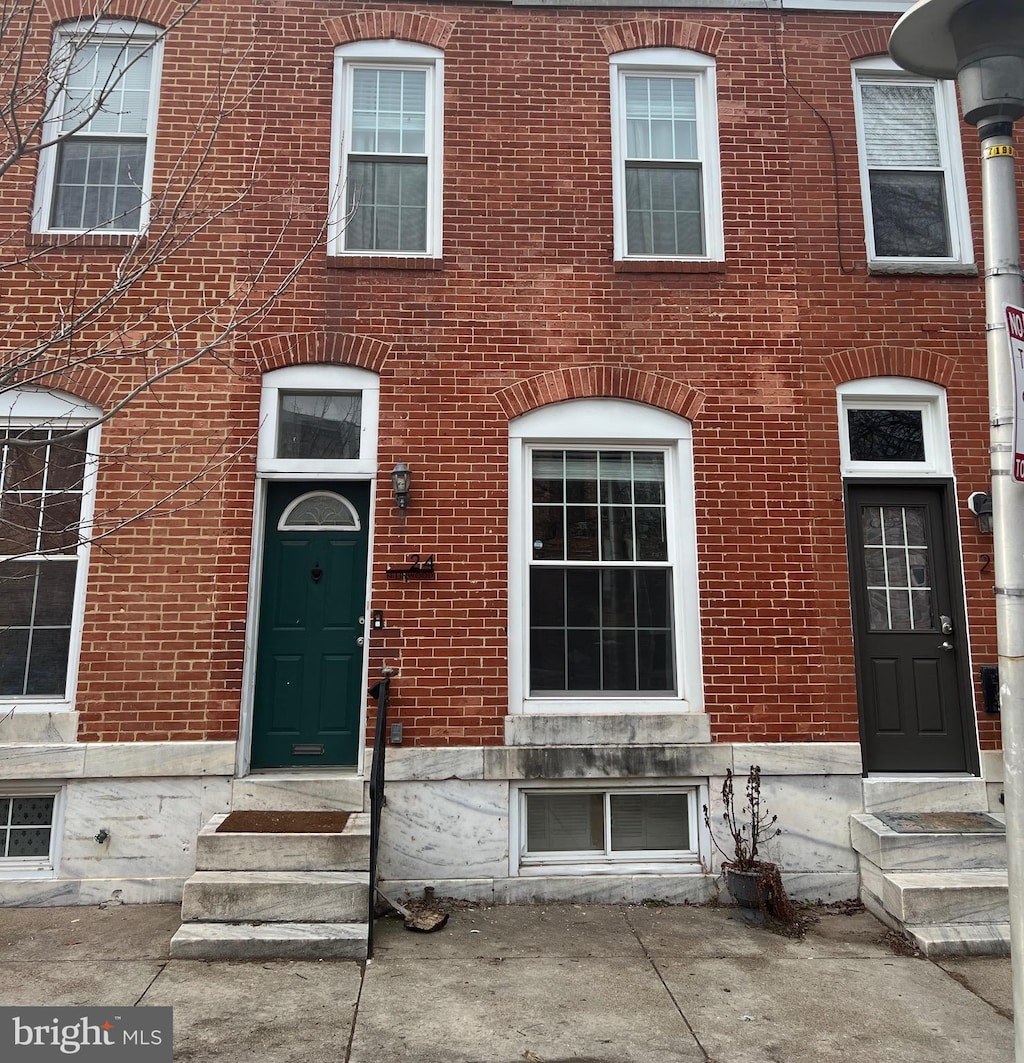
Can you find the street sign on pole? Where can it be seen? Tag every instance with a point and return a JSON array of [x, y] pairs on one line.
[[1015, 330]]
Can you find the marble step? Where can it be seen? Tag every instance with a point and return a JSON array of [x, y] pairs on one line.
[[893, 850], [963, 939], [244, 851], [269, 941], [275, 896], [943, 898], [892, 794], [298, 792]]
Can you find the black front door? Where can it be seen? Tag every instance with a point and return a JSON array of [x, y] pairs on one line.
[[916, 708]]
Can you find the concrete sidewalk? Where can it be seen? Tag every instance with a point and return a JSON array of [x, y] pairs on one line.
[[547, 984]]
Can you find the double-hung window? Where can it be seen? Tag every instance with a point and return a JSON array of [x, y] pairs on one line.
[[387, 150], [96, 166], [46, 472], [665, 155], [606, 580], [912, 178]]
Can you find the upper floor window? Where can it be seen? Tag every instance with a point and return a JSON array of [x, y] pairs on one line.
[[387, 149], [95, 170], [665, 155], [912, 178]]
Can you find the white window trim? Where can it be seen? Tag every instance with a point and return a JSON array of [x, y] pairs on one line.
[[386, 53], [881, 68], [34, 407], [651, 61], [577, 864], [36, 867], [898, 393], [587, 422], [124, 29], [318, 378]]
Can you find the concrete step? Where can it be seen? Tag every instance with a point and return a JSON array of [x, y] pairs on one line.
[[944, 898], [244, 851], [269, 941], [942, 794], [275, 896], [892, 850], [963, 939], [298, 792]]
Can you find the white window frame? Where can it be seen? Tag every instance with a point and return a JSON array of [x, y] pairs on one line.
[[318, 378], [391, 53], [34, 407], [36, 867], [124, 31], [881, 69], [651, 62], [522, 864], [898, 393], [586, 423]]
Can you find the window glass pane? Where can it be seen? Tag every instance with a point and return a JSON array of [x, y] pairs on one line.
[[319, 426], [649, 822], [661, 117], [98, 184], [48, 662], [886, 435], [55, 592], [32, 841], [323, 510], [664, 214], [908, 211], [569, 822], [387, 203], [13, 661], [900, 125], [389, 111]]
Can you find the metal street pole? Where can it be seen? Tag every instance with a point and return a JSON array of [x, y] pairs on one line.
[[981, 43]]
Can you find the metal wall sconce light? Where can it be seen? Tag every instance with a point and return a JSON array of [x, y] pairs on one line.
[[980, 504], [401, 476]]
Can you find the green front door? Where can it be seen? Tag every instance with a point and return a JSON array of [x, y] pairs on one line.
[[309, 658]]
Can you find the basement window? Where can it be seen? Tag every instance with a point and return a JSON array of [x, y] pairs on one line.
[[27, 831], [620, 829]]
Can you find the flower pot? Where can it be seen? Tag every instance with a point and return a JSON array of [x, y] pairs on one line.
[[751, 888]]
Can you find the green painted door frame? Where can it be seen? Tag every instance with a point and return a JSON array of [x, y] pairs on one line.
[[308, 698]]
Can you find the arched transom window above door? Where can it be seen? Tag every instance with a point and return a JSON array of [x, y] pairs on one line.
[[320, 511]]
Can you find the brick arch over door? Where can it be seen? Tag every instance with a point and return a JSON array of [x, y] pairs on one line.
[[606, 382], [320, 347], [856, 363], [389, 25], [660, 33], [157, 12]]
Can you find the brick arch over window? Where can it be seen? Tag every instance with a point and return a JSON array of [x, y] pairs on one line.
[[865, 43], [607, 382], [305, 348], [86, 382], [156, 12], [389, 25], [661, 33], [859, 362]]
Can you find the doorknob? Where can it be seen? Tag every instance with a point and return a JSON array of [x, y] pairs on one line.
[[947, 646], [946, 625], [359, 640], [316, 572]]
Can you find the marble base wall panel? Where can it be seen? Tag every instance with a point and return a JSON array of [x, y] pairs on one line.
[[51, 893]]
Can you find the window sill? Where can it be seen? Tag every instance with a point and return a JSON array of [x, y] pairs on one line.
[[921, 268], [383, 262], [83, 241], [668, 265], [685, 863]]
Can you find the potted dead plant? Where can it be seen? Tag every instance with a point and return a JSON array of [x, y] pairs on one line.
[[753, 882]]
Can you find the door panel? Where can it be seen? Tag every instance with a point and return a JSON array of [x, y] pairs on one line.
[[308, 700], [916, 706]]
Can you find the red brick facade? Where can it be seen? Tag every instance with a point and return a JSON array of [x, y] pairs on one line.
[[527, 307]]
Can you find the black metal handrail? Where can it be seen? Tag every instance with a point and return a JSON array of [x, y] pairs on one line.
[[382, 692]]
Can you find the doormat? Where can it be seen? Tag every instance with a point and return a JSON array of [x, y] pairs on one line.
[[284, 822], [941, 822]]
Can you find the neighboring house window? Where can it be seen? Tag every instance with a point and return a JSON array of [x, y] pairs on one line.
[[28, 831], [893, 426], [96, 170], [665, 155], [387, 149], [46, 475], [912, 178], [603, 562]]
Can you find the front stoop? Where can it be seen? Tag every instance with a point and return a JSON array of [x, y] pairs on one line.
[[947, 892], [263, 896]]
